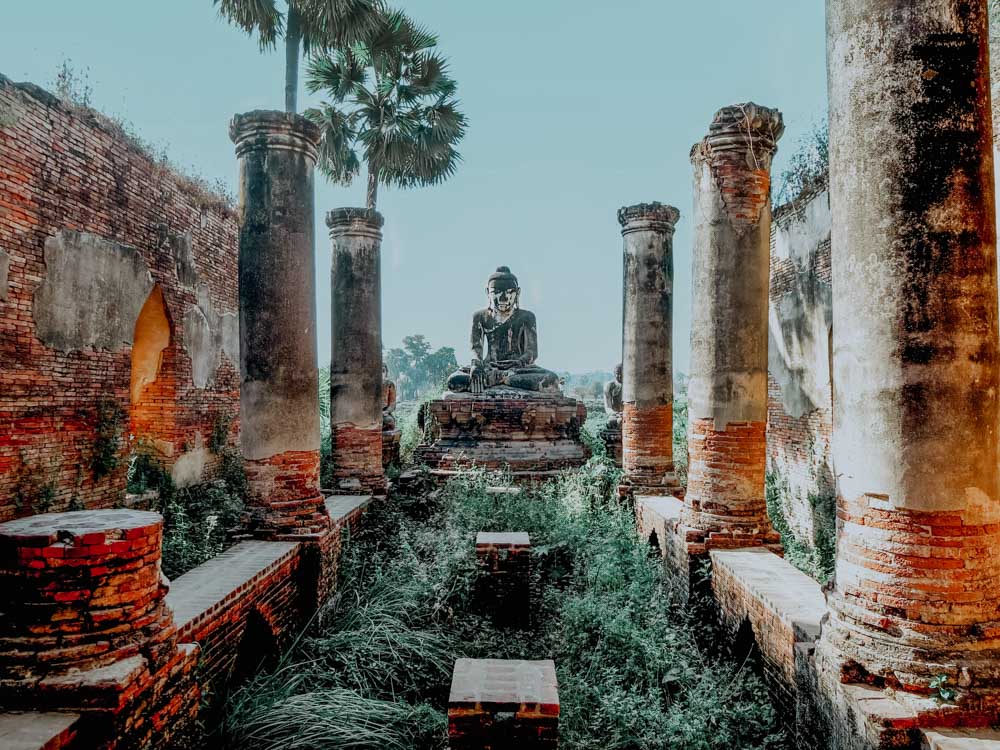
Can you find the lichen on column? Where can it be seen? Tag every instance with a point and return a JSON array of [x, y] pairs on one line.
[[279, 393], [647, 364], [727, 392]]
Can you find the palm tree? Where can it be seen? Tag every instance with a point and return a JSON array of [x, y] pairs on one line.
[[392, 100], [306, 25]]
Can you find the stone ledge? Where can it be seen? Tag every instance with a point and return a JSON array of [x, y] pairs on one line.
[[783, 590], [342, 508], [960, 739], [202, 592], [37, 730]]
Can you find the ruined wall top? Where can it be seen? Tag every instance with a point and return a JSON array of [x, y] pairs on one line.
[[264, 129]]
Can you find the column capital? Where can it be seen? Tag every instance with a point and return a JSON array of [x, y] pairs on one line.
[[342, 220], [740, 126], [264, 129], [655, 216]]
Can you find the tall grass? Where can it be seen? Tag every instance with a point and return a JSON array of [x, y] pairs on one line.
[[375, 673]]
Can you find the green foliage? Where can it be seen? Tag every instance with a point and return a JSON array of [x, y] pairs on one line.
[[391, 105], [380, 655], [809, 165], [197, 520], [109, 428], [73, 85], [939, 684], [417, 370], [320, 22], [219, 438], [817, 559], [415, 425], [680, 434]]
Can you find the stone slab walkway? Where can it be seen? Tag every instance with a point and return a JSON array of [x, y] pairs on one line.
[[36, 730]]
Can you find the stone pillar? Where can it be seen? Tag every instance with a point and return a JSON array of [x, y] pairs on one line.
[[356, 368], [727, 392], [279, 394], [647, 371], [915, 360]]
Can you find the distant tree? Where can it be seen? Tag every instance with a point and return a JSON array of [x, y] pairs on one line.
[[304, 26], [391, 106], [808, 166], [416, 369]]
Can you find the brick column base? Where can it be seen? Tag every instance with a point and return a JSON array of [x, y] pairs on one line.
[[724, 507], [285, 497], [357, 460], [648, 449]]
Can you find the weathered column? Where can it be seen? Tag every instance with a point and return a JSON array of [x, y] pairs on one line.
[[356, 368], [727, 393], [647, 371], [279, 394], [914, 343]]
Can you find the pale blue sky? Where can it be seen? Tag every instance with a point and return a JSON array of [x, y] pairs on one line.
[[576, 107]]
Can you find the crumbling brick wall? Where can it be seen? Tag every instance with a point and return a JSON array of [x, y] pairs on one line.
[[91, 229], [800, 398]]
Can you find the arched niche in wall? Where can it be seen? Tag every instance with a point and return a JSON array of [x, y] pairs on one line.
[[152, 386], [258, 650]]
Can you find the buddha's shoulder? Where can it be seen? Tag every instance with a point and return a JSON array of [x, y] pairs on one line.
[[525, 315]]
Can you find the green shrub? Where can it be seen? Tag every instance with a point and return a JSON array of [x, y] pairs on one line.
[[109, 427]]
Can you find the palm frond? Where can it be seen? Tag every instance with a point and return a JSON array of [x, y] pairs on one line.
[[337, 23], [338, 159], [340, 76], [261, 16]]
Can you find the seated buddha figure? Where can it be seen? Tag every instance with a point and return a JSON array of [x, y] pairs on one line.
[[511, 344], [613, 400]]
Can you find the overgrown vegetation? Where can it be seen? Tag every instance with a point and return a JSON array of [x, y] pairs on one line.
[[374, 670], [808, 167], [816, 558], [197, 520], [417, 369]]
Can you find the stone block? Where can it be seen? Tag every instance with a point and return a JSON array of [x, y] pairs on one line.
[[498, 703]]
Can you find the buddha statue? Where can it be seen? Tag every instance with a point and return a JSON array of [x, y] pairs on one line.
[[511, 338], [613, 400], [388, 401]]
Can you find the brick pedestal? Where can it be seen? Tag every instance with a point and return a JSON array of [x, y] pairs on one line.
[[536, 435], [727, 407], [85, 627], [725, 504], [503, 588], [497, 703]]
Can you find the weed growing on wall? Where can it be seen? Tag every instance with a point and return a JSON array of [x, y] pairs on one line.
[[818, 558], [109, 428], [378, 668], [197, 520]]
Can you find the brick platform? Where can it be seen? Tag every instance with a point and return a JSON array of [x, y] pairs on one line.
[[612, 439], [82, 590], [503, 588], [86, 627], [390, 447], [497, 703], [534, 434]]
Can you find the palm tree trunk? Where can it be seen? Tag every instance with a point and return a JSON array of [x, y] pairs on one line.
[[293, 38], [372, 186]]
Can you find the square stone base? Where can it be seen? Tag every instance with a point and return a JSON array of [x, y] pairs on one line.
[[533, 434]]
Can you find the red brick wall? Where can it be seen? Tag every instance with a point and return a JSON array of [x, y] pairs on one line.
[[63, 168], [798, 444]]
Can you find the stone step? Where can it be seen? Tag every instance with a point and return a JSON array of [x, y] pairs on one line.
[[33, 730]]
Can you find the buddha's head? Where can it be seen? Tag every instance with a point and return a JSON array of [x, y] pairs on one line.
[[503, 291], [618, 372]]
